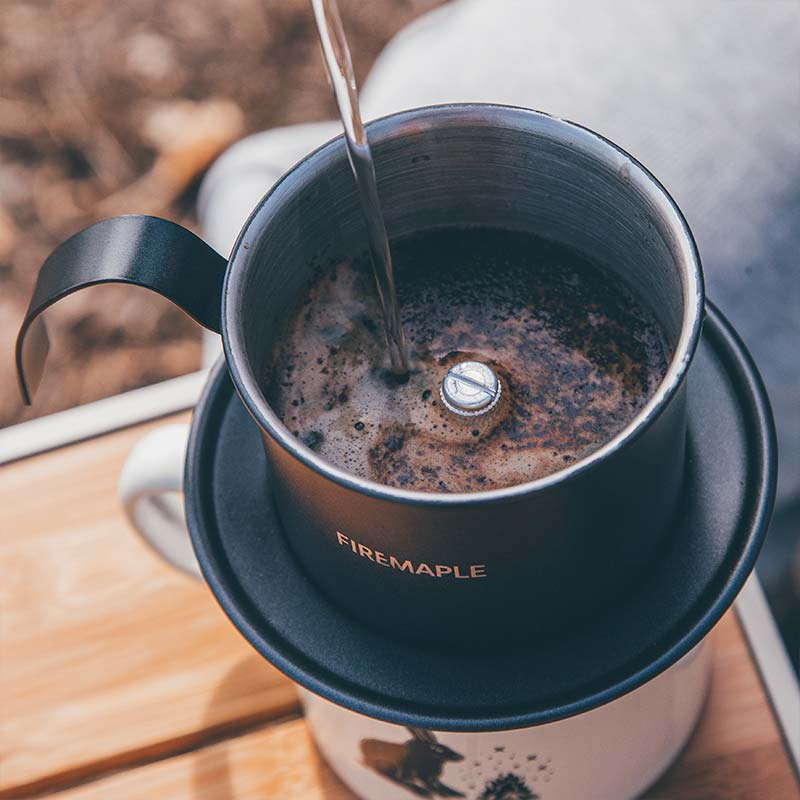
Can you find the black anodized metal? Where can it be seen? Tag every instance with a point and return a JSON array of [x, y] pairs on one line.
[[709, 551], [592, 526], [144, 251]]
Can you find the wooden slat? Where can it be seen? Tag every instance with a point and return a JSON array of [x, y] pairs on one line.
[[735, 754], [277, 763], [108, 657]]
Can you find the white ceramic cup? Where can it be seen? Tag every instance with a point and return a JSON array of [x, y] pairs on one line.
[[150, 489], [612, 752]]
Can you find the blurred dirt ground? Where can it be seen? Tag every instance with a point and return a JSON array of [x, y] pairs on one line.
[[110, 108]]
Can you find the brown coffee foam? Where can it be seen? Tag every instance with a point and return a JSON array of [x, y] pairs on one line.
[[577, 355]]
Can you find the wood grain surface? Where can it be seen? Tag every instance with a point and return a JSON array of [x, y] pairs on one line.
[[120, 678], [109, 657]]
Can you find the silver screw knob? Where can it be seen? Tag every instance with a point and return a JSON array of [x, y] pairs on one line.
[[470, 389]]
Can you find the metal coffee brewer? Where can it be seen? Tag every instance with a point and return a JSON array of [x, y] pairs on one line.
[[567, 545], [598, 711]]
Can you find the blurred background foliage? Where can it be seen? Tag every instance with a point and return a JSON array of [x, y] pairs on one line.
[[110, 108]]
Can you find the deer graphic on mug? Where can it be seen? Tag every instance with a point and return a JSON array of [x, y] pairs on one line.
[[416, 764]]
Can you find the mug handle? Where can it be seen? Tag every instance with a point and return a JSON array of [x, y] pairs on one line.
[[145, 251], [151, 492]]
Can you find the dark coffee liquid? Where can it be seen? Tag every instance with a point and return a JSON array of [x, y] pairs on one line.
[[576, 354]]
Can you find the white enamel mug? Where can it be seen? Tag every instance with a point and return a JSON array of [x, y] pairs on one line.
[[613, 752]]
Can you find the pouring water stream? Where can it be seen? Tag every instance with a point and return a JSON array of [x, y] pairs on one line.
[[336, 56]]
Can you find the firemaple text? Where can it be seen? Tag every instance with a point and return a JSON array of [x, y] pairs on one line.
[[406, 565]]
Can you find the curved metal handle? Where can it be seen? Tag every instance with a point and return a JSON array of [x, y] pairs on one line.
[[146, 251]]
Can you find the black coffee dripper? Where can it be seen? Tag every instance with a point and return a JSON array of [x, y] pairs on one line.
[[567, 544]]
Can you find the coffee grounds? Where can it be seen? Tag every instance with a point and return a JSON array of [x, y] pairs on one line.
[[577, 354]]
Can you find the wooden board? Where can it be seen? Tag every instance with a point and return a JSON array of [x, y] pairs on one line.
[[120, 678], [109, 657], [737, 752]]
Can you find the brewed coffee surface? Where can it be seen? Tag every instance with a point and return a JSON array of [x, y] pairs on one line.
[[576, 354]]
